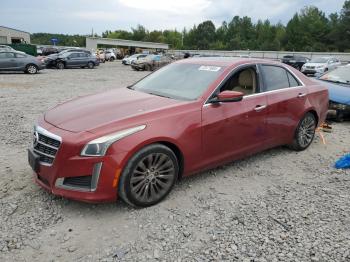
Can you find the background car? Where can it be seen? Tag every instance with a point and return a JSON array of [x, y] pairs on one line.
[[320, 65], [189, 116], [101, 56], [51, 60], [110, 55], [49, 50], [295, 61], [6, 48], [77, 59], [151, 62], [130, 59], [338, 84], [18, 61]]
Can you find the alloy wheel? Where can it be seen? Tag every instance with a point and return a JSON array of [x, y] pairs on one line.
[[152, 177], [306, 130], [32, 69]]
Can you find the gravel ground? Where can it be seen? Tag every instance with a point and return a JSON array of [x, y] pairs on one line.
[[278, 205]]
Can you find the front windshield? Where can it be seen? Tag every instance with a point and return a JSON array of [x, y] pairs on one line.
[[179, 81], [338, 75], [320, 60]]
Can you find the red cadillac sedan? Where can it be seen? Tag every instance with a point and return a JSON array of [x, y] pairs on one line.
[[195, 114]]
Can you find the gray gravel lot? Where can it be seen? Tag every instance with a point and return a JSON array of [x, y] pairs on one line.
[[278, 205]]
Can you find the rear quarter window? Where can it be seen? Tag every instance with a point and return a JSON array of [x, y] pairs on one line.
[[275, 77]]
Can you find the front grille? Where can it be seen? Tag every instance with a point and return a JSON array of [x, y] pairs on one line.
[[46, 147], [79, 181], [310, 67]]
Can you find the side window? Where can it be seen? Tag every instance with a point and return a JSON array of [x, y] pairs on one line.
[[73, 55], [292, 81], [275, 77], [3, 55], [20, 56], [244, 80]]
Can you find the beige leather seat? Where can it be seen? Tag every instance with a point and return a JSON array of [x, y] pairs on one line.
[[247, 82]]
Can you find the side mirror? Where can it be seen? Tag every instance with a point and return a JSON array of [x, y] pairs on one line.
[[227, 96]]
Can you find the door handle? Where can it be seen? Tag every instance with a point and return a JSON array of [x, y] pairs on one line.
[[301, 95], [259, 107]]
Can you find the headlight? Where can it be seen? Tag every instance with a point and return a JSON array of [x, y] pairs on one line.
[[99, 146]]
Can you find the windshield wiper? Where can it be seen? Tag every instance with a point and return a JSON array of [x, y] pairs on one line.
[[337, 81], [156, 94]]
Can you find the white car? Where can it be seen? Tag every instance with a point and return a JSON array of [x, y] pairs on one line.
[[110, 56], [320, 65], [129, 60]]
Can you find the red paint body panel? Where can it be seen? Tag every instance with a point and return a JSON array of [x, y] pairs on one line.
[[205, 134]]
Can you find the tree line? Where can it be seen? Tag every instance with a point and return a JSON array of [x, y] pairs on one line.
[[308, 30]]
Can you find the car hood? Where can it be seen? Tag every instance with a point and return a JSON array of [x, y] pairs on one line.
[[95, 111], [339, 93], [315, 64]]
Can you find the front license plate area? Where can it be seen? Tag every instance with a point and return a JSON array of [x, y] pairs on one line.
[[33, 160]]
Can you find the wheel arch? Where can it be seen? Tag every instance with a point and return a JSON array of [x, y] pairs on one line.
[[171, 144]]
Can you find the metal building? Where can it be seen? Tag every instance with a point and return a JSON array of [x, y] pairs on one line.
[[13, 36], [92, 42]]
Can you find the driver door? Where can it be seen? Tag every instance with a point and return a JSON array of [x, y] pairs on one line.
[[232, 130]]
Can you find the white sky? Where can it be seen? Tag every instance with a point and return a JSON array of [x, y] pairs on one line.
[[80, 16]]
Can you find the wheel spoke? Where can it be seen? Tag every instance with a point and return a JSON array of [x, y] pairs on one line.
[[152, 177], [136, 179]]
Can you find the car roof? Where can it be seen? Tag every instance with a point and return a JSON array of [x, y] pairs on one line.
[[226, 61]]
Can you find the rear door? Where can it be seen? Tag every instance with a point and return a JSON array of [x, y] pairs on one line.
[[286, 99], [7, 61]]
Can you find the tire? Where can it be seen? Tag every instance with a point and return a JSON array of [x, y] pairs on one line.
[[60, 65], [31, 69], [149, 176], [90, 65], [305, 132], [339, 117], [111, 59], [147, 68]]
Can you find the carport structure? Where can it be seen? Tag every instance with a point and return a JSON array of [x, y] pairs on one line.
[[92, 42]]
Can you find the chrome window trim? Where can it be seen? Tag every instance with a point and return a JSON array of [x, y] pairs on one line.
[[257, 94]]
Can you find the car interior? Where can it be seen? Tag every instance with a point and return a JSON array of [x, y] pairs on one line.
[[244, 81]]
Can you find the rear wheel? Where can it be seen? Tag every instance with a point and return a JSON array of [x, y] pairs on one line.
[[90, 65], [149, 176], [111, 59], [32, 69], [304, 133]]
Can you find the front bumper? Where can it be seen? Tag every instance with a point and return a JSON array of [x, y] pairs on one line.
[[69, 166], [138, 66], [312, 71]]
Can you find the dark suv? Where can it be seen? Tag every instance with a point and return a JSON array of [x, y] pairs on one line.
[[76, 59], [295, 61]]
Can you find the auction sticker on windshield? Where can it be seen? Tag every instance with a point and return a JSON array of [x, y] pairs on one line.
[[209, 68]]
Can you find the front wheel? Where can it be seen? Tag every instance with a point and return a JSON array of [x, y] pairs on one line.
[[149, 176], [60, 65], [111, 59], [32, 69], [90, 65], [304, 133]]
